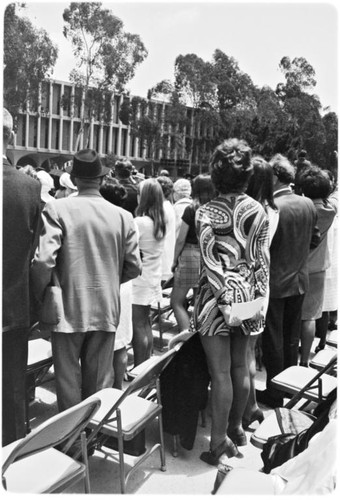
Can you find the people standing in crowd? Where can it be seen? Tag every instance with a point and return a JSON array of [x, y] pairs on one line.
[[92, 247], [261, 188], [300, 166], [316, 185], [233, 237], [123, 172], [115, 193], [186, 261], [289, 250], [47, 186], [29, 170], [170, 236], [20, 222], [67, 188], [182, 198], [327, 322], [146, 288]]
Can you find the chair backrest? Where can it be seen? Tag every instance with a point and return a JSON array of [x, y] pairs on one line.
[[64, 427], [143, 381], [152, 372], [180, 338]]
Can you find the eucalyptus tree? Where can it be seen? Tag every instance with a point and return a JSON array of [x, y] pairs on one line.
[[29, 58], [106, 56]]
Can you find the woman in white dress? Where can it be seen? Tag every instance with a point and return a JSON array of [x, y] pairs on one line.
[[146, 288]]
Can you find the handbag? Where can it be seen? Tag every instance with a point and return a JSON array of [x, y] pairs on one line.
[[52, 309]]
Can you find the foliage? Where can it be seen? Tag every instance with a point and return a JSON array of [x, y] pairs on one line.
[[226, 103], [106, 56], [29, 58]]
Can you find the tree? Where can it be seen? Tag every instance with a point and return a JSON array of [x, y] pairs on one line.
[[299, 75], [234, 88], [29, 58], [107, 57]]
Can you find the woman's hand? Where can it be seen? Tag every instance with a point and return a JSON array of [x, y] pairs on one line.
[[234, 321], [259, 315]]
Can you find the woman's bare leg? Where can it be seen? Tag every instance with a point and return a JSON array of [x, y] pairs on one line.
[[178, 304], [239, 376], [142, 339], [217, 350]]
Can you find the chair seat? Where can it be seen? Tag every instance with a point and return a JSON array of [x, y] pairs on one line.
[[43, 472], [294, 378], [270, 426], [322, 358], [332, 338], [241, 481], [39, 351], [135, 413]]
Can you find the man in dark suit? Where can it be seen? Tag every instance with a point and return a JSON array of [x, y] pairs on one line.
[[21, 213], [295, 235]]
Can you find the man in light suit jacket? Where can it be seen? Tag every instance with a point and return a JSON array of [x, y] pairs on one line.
[[21, 213], [295, 235], [92, 247]]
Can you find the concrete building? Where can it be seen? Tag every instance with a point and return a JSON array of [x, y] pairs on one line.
[[47, 137]]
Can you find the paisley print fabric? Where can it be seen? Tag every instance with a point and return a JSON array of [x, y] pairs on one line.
[[234, 245]]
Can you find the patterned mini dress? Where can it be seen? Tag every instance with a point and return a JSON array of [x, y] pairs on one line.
[[234, 246]]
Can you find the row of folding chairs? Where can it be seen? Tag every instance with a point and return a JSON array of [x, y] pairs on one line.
[[305, 387], [111, 414]]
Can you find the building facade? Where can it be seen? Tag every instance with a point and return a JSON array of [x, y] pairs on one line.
[[49, 136]]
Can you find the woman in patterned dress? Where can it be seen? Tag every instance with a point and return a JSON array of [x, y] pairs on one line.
[[233, 237]]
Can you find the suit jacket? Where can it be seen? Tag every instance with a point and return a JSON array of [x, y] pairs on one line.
[[21, 213], [92, 246], [291, 243]]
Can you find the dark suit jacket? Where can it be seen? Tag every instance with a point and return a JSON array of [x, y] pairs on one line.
[[291, 243], [21, 213]]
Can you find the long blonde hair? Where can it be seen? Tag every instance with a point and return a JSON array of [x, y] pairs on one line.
[[151, 204]]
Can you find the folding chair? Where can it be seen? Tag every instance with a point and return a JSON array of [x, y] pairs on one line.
[[161, 307], [306, 383], [332, 339], [273, 425], [38, 363], [322, 358], [124, 415], [33, 465]]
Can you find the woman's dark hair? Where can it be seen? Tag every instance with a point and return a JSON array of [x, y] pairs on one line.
[[202, 190], [230, 166], [315, 183], [260, 185], [113, 192], [151, 204], [282, 168], [167, 185]]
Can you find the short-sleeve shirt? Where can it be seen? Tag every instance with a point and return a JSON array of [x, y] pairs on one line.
[[189, 218]]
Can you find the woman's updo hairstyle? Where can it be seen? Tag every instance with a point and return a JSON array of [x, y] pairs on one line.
[[230, 166]]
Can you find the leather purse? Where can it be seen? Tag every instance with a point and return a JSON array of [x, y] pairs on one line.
[[52, 309]]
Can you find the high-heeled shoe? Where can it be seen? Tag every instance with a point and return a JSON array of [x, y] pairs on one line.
[[238, 436], [226, 447], [257, 415]]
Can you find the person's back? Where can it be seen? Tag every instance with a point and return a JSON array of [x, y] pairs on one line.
[[21, 214], [291, 244], [94, 239], [21, 208]]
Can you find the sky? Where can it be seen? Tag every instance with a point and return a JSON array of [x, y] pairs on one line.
[[256, 34]]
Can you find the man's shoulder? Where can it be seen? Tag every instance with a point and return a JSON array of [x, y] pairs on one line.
[[11, 176]]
